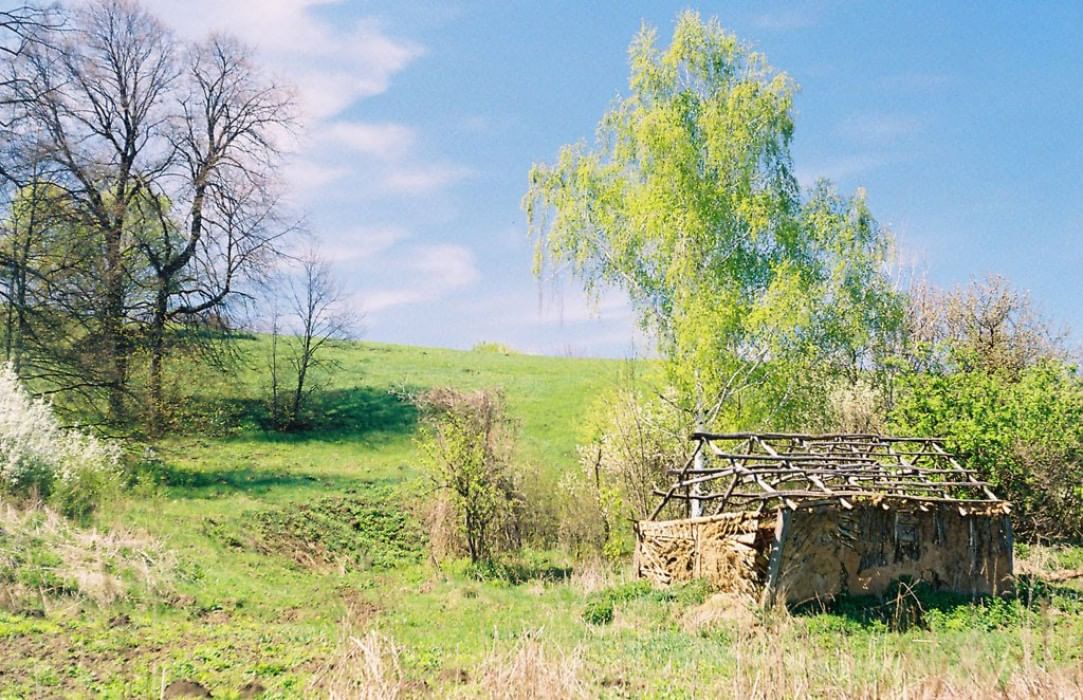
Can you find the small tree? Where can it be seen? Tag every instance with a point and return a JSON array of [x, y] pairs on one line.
[[635, 435], [316, 316], [467, 441]]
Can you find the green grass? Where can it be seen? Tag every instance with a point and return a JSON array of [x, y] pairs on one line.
[[280, 538]]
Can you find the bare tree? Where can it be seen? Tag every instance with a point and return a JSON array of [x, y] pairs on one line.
[[167, 156], [225, 145], [317, 316], [20, 28], [987, 322]]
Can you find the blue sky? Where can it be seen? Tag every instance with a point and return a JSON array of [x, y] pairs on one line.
[[423, 118]]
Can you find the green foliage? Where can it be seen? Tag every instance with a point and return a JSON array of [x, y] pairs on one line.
[[908, 604], [467, 442], [84, 492], [598, 611], [1021, 431], [527, 565], [493, 347], [688, 203], [600, 605], [358, 530]]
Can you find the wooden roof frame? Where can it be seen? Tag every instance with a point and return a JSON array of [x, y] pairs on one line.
[[755, 471]]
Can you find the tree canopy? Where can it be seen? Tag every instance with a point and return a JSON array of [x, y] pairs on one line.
[[687, 201]]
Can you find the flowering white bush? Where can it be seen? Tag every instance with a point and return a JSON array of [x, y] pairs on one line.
[[38, 455]]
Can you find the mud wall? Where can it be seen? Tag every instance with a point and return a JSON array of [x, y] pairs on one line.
[[727, 550], [861, 551], [830, 550]]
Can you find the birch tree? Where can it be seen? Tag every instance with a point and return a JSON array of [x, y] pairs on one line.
[[687, 201]]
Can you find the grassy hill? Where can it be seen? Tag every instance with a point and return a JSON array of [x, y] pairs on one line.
[[297, 559]]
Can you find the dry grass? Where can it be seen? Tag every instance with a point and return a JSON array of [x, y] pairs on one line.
[[53, 559], [722, 611], [533, 671], [784, 660], [364, 668], [1046, 563], [595, 574]]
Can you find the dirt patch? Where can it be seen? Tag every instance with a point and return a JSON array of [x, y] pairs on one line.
[[185, 689]]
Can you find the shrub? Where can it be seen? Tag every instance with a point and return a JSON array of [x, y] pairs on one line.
[[39, 458], [600, 604], [467, 440], [1022, 431], [493, 347], [598, 611], [635, 436]]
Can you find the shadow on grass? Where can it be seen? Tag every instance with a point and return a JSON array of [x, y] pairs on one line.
[[334, 414], [909, 605], [195, 483], [352, 413], [192, 482], [516, 568]]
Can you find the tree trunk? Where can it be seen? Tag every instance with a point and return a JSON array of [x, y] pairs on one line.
[[116, 346], [157, 356], [695, 505]]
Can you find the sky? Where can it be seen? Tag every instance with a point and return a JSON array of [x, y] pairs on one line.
[[421, 121]]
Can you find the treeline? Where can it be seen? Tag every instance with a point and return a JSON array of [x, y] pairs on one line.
[[140, 202]]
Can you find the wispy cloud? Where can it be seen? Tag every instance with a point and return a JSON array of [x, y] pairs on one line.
[[785, 20], [880, 128], [422, 178], [384, 140], [307, 177], [332, 65], [363, 243], [840, 168], [425, 273]]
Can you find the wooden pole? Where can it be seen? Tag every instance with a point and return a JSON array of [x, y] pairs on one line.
[[774, 563]]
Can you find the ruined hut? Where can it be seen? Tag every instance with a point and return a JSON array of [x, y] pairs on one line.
[[805, 517]]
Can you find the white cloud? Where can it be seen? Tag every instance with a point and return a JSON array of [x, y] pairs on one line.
[[306, 177], [840, 168], [785, 20], [363, 243], [332, 66], [418, 179], [385, 140], [426, 273]]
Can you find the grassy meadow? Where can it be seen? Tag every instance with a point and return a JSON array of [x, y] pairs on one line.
[[258, 564]]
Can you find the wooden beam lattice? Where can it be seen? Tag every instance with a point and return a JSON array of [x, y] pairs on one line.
[[792, 470]]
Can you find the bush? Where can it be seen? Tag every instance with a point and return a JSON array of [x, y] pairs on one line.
[[635, 435], [598, 611], [1022, 431], [493, 347], [600, 604], [467, 440], [41, 459]]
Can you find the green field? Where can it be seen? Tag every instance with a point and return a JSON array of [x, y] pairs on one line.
[[287, 550]]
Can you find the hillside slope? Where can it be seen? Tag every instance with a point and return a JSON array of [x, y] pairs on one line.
[[294, 563]]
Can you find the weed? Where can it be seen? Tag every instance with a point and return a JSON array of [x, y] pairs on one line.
[[356, 531]]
